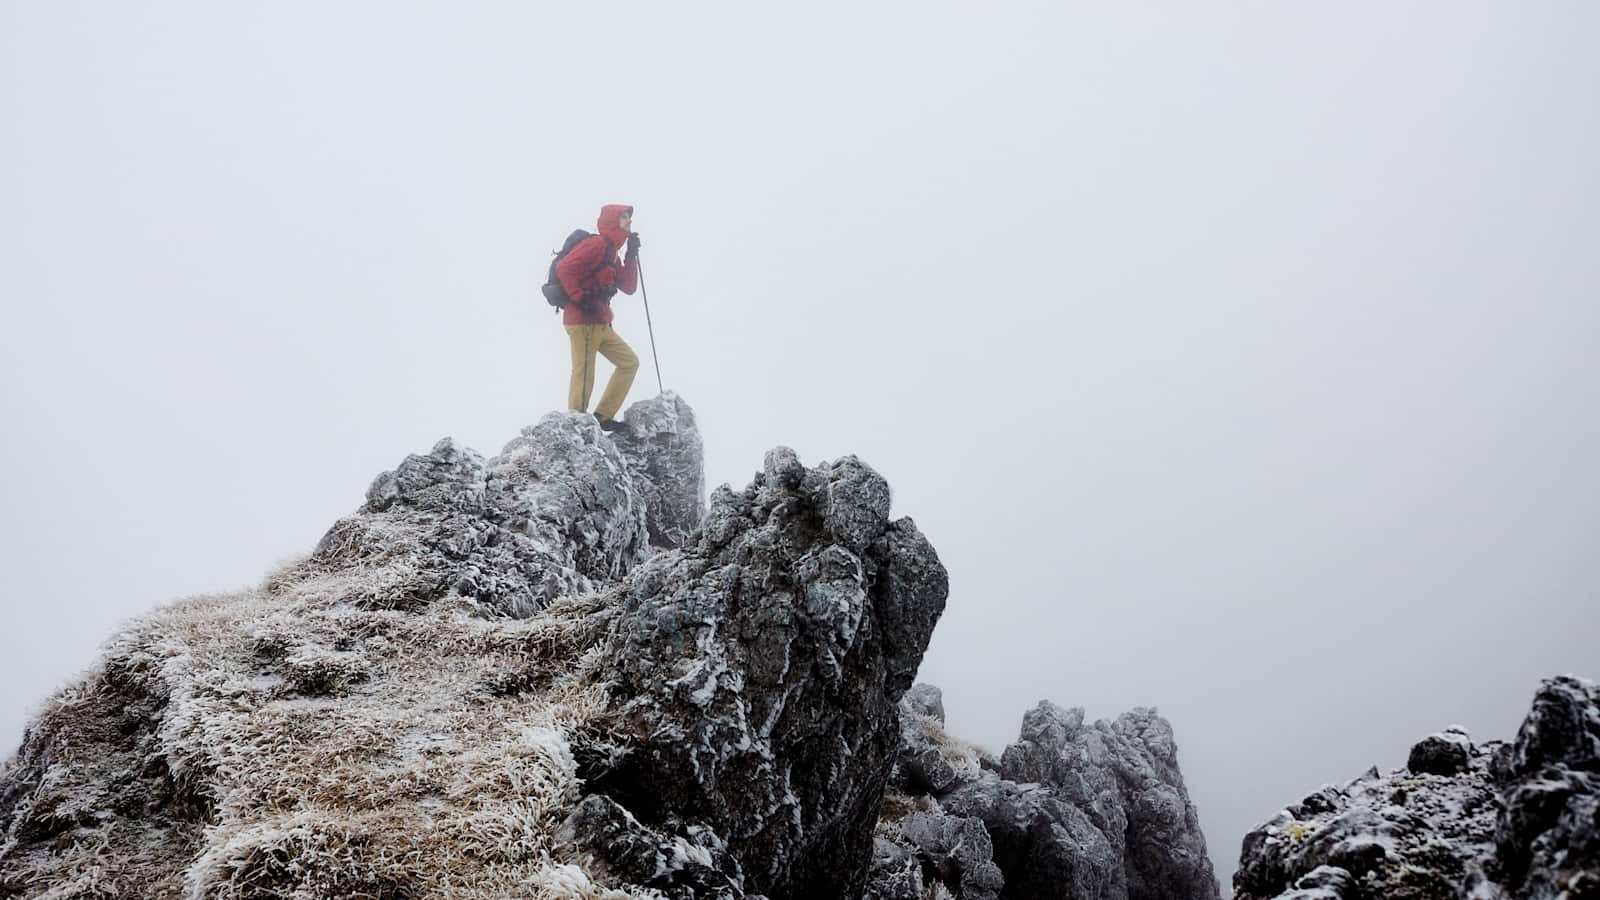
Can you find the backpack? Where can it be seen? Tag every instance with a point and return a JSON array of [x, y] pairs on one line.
[[553, 291]]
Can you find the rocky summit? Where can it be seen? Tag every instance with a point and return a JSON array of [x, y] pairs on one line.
[[563, 672], [1492, 821]]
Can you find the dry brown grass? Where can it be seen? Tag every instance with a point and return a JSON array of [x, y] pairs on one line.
[[341, 749]]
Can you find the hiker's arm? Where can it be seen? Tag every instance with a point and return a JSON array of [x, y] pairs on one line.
[[580, 261], [628, 275]]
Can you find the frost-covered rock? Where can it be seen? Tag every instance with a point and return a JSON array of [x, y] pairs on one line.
[[927, 700], [958, 852], [695, 864], [1044, 846], [896, 873], [1548, 835], [664, 444], [1070, 810], [1490, 820], [563, 509], [1446, 753], [764, 665], [543, 674]]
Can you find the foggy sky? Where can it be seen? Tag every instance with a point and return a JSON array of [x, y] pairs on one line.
[[1239, 359]]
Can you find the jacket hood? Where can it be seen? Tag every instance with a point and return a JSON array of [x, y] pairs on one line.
[[610, 223]]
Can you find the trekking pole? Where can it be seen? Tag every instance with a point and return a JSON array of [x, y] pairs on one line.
[[646, 297]]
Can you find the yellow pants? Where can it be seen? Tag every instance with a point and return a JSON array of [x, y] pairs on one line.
[[587, 340]]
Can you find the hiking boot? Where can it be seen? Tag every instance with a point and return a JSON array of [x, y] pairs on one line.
[[611, 425]]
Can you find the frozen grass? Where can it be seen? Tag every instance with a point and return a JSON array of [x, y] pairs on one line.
[[963, 757], [319, 747], [897, 806]]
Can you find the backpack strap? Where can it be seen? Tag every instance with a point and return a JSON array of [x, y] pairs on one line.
[[604, 260]]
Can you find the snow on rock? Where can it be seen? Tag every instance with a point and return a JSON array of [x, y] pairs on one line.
[[764, 665], [1446, 753], [1097, 812], [564, 509], [662, 440], [563, 672], [926, 700], [1548, 835], [958, 851], [550, 673], [1489, 821]]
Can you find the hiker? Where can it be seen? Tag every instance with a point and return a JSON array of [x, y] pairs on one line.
[[590, 275]]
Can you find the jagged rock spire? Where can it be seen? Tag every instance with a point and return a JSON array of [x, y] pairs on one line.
[[546, 673]]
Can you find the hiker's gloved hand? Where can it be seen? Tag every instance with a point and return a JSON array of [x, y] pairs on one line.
[[633, 245]]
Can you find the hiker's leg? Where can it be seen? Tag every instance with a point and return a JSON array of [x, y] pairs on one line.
[[585, 342], [615, 349]]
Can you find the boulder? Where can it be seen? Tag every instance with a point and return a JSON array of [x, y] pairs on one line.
[[1446, 753]]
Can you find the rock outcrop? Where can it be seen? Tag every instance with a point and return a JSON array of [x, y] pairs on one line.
[[1091, 812], [565, 509], [1491, 821], [559, 672], [549, 673], [760, 670]]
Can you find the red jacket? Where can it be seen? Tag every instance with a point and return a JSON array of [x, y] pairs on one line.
[[585, 271]]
